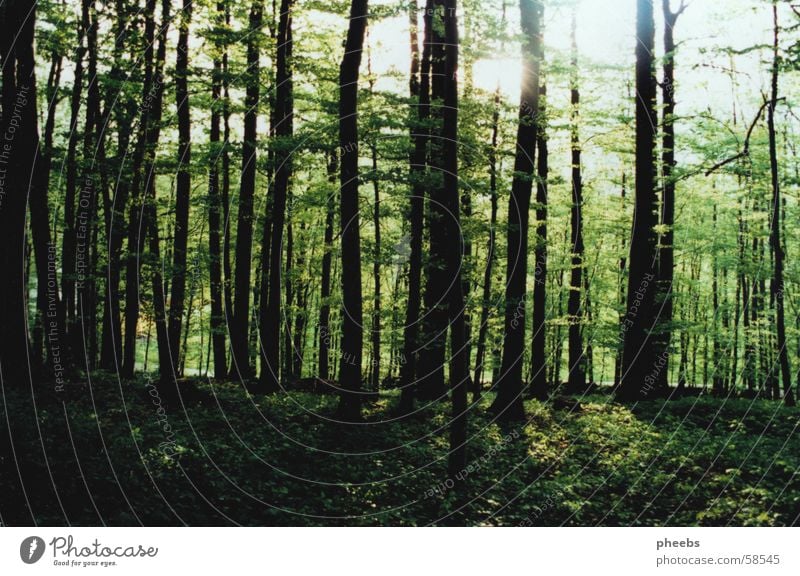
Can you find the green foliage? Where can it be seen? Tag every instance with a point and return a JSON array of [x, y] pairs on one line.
[[696, 461]]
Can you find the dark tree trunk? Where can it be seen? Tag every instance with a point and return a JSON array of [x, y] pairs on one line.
[[69, 240], [352, 331], [375, 365], [508, 404], [459, 369], [47, 301], [87, 223], [419, 89], [483, 326], [637, 357], [575, 313], [539, 388], [283, 130], [214, 213], [240, 356], [151, 87], [150, 226], [325, 333], [718, 381], [227, 272], [777, 288], [430, 370], [666, 258], [288, 275], [17, 168], [623, 263], [124, 110], [182, 192]]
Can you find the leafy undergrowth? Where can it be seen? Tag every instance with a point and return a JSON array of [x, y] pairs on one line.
[[229, 458]]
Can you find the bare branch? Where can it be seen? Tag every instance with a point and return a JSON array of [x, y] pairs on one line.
[[746, 146]]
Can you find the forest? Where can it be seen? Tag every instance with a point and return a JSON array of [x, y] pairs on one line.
[[408, 262]]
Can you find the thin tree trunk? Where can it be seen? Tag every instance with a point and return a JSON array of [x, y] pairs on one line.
[[577, 358], [419, 88], [666, 258], [214, 213], [325, 333], [539, 388], [69, 239], [124, 111], [47, 301], [483, 326], [182, 193], [777, 288], [283, 130]]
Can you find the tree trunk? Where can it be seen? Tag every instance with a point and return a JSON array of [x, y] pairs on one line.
[[47, 300], [666, 258], [150, 228], [375, 365], [539, 388], [430, 371], [508, 403], [124, 111], [777, 288], [352, 331], [214, 212], [419, 88], [575, 313], [240, 356], [483, 326], [182, 192], [69, 240], [17, 168], [637, 357], [136, 232], [283, 130], [459, 370], [325, 334]]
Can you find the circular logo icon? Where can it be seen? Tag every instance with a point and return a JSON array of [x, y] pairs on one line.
[[31, 550]]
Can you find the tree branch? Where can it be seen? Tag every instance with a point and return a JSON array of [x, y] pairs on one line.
[[746, 146]]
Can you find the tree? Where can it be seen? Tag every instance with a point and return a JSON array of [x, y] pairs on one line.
[[666, 252], [419, 89], [352, 331], [240, 356], [577, 358], [152, 92], [430, 367], [215, 208], [538, 387], [282, 134], [459, 370], [124, 113], [18, 163], [325, 288], [483, 327], [777, 287], [182, 190], [508, 404], [638, 318]]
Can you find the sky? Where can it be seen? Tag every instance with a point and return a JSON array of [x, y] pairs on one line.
[[606, 36]]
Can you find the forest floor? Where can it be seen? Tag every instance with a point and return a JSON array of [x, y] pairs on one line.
[[228, 458]]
